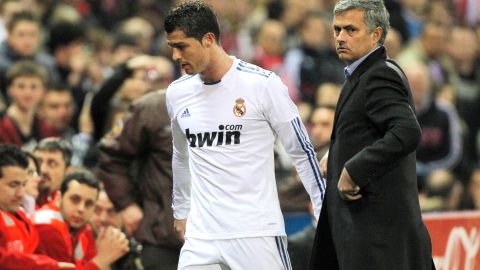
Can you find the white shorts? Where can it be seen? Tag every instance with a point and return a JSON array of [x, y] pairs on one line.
[[259, 253]]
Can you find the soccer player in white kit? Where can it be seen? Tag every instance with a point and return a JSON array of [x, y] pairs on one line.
[[226, 115]]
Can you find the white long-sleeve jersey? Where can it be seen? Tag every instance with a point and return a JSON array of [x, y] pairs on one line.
[[223, 167]]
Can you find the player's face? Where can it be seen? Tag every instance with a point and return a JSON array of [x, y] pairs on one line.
[[78, 203], [188, 52], [352, 38], [12, 187]]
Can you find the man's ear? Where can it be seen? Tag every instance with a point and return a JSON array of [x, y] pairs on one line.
[[208, 40], [377, 34]]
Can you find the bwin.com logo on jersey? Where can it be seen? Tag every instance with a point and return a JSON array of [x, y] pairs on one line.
[[226, 135], [185, 113]]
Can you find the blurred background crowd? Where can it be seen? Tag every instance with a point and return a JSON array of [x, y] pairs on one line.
[[71, 69]]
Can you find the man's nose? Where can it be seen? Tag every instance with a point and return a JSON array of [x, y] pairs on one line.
[[341, 36], [20, 192], [176, 55]]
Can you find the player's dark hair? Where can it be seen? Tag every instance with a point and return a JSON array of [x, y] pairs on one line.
[[195, 18]]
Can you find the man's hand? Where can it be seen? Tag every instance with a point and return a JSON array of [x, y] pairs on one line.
[[111, 245], [131, 217], [323, 165], [180, 226], [65, 265], [348, 190]]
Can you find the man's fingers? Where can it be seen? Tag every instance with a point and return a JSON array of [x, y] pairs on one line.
[[350, 195], [65, 265]]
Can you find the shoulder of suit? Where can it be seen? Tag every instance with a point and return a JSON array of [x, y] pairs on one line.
[[385, 65]]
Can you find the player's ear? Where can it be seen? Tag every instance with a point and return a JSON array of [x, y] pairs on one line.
[[208, 40]]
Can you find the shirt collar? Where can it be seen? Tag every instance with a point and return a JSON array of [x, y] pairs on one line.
[[351, 68]]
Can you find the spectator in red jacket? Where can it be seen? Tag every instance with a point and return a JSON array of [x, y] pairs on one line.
[[18, 237], [19, 124], [64, 232], [54, 156]]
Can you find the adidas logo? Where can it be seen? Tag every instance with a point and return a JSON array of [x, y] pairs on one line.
[[185, 113]]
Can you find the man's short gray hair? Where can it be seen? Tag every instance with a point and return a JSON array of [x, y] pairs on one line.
[[376, 15]]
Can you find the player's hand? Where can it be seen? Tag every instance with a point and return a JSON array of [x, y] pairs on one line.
[[180, 227], [323, 165], [65, 265], [348, 190], [131, 217]]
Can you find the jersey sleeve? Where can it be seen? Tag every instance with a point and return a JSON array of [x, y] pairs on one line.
[[283, 117], [180, 169]]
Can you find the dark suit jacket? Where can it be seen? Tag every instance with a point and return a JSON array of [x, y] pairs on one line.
[[374, 136]]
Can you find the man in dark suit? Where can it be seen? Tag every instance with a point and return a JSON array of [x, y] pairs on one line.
[[370, 217]]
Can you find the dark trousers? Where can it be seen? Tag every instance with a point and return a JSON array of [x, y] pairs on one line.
[[160, 258]]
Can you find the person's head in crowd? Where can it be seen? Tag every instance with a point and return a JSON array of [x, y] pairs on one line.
[[141, 29], [124, 47], [463, 48], [10, 7], [271, 37], [79, 191], [415, 7], [434, 39], [314, 31], [148, 73], [393, 43], [440, 12], [13, 177], [56, 107], [328, 94], [66, 40], [101, 43], [26, 84], [370, 30], [32, 185], [420, 84], [442, 192], [23, 33], [322, 125], [54, 156], [104, 213], [64, 12], [293, 13]]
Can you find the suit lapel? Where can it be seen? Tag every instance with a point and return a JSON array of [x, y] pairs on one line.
[[350, 85]]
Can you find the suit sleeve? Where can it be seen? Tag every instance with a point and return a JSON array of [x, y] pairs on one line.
[[388, 107], [283, 117], [180, 169]]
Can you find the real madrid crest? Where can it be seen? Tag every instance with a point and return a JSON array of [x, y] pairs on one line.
[[239, 108]]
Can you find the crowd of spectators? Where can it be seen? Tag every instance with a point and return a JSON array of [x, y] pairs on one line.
[[71, 69]]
